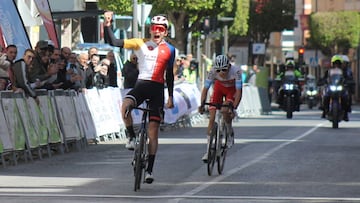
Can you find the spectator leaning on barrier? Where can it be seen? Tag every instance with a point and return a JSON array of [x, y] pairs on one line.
[[20, 70], [39, 70], [11, 53], [94, 61], [101, 79], [72, 74], [155, 57], [131, 71], [112, 74], [91, 51], [4, 68], [86, 73], [55, 55], [65, 52]]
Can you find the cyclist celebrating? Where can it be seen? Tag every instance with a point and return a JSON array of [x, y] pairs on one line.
[[227, 83], [155, 57]]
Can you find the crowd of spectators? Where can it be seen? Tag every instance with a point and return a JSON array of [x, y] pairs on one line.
[[49, 67]]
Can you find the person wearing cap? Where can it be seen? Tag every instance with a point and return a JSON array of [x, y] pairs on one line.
[[39, 70], [155, 57]]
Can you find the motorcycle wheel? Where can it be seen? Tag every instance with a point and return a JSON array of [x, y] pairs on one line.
[[289, 108], [335, 115]]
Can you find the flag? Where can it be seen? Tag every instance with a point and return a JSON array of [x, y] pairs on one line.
[[12, 27], [45, 13]]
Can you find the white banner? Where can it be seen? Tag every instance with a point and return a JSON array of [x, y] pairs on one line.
[[67, 117], [52, 124], [101, 108], [5, 133], [13, 120], [86, 123], [28, 123]]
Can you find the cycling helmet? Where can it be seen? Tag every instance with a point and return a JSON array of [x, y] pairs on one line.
[[345, 58], [221, 62], [336, 58], [290, 63], [160, 20]]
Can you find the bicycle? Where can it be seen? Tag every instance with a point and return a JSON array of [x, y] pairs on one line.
[[218, 143], [140, 159]]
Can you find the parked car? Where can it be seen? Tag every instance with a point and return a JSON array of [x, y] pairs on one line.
[[103, 49]]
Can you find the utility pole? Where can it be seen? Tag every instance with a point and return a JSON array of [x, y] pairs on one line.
[[135, 22]]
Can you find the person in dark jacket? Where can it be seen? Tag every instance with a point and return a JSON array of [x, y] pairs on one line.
[[130, 72]]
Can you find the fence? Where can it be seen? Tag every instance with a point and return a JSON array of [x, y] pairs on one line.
[[65, 119]]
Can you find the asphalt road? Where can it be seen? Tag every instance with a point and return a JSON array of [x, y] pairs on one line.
[[274, 160]]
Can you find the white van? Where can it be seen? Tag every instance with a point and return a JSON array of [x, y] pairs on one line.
[[103, 49]]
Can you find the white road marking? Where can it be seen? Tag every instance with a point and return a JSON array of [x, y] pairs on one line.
[[250, 163]]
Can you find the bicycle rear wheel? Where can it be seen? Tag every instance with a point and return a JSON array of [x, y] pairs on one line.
[[212, 149], [139, 150], [222, 144]]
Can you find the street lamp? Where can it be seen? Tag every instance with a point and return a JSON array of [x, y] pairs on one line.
[[226, 20]]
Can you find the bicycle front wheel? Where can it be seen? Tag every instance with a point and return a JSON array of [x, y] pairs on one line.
[[212, 149], [139, 151], [222, 144]]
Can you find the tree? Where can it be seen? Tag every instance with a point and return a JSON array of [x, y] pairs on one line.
[[267, 16], [186, 16], [335, 32]]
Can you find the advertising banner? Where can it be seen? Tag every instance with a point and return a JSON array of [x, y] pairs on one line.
[[12, 27]]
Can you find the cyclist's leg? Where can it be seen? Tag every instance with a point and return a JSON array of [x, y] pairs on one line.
[[216, 98], [227, 112], [133, 98], [128, 121], [156, 103]]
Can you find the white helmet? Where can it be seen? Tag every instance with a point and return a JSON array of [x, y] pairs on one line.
[[221, 62], [289, 55], [160, 20], [345, 58]]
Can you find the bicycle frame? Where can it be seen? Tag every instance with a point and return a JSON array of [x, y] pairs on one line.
[[218, 141], [141, 149]]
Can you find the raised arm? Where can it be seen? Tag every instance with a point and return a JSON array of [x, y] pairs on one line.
[[108, 33]]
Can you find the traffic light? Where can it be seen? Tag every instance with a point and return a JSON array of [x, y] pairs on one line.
[[301, 52]]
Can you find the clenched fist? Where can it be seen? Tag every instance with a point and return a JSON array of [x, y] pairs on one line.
[[108, 15]]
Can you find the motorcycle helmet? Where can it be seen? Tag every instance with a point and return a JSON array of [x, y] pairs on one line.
[[336, 59], [290, 64], [345, 58], [160, 20], [221, 62]]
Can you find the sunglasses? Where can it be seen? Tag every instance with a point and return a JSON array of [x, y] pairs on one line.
[[157, 28], [103, 64], [223, 70]]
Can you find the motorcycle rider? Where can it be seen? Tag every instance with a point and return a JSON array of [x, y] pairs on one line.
[[349, 79], [290, 70], [336, 67], [311, 87]]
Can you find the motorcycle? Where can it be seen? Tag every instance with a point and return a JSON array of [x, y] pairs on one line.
[[289, 94], [311, 96], [335, 90]]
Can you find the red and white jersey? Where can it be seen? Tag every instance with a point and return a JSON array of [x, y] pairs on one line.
[[153, 59], [233, 78]]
